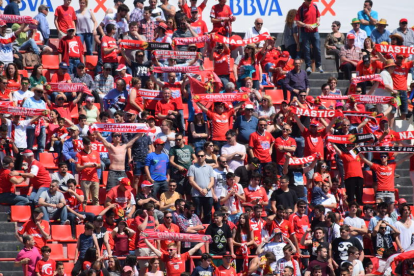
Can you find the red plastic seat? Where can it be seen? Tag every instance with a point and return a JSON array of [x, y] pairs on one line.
[[20, 213], [121, 60], [46, 74], [276, 95], [71, 249], [48, 160], [79, 230], [68, 267], [57, 252], [102, 196], [62, 233], [104, 178], [91, 62], [368, 182], [185, 111], [54, 44], [95, 209], [23, 73], [368, 196], [208, 64], [50, 62]]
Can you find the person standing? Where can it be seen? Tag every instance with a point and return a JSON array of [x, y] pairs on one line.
[[356, 224], [43, 24], [296, 80], [222, 237], [222, 18], [29, 256], [65, 16], [368, 17], [12, 8], [380, 34], [157, 168], [406, 33], [261, 143], [233, 152], [71, 49], [308, 19], [201, 178]]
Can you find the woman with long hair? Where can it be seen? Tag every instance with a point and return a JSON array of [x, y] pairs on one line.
[[321, 169], [291, 34], [172, 25], [211, 157], [52, 124], [243, 235], [276, 129], [332, 81], [154, 268], [266, 109], [255, 96], [5, 93], [247, 64], [114, 267], [334, 42], [13, 77], [121, 235], [135, 101], [199, 131], [37, 76], [131, 260], [86, 25], [90, 110]]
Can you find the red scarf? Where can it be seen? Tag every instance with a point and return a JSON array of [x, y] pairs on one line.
[[20, 19], [240, 42], [123, 128], [222, 97], [394, 49], [315, 113], [373, 99], [182, 69], [303, 160], [163, 54], [191, 40], [68, 87], [22, 111]]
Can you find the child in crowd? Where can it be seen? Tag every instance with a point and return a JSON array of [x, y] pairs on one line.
[[45, 266]]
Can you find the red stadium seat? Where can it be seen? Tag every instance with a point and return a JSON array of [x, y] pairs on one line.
[[185, 111], [20, 213], [23, 73], [91, 62], [46, 74], [68, 267], [368, 196], [54, 44], [62, 233], [57, 252], [368, 182], [48, 160], [95, 209], [80, 229], [276, 95], [71, 249], [50, 62], [102, 196]]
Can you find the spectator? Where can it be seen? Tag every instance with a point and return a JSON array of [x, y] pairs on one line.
[[157, 168], [261, 143], [45, 264], [284, 144], [300, 224], [71, 49], [115, 99], [223, 240], [6, 48], [71, 147], [380, 34], [12, 8], [205, 267], [287, 262], [291, 34], [65, 17], [86, 240], [121, 196], [187, 10], [43, 24], [146, 26], [313, 242], [368, 17], [255, 194], [29, 255], [266, 109], [86, 25], [7, 188], [248, 66], [137, 13], [80, 76], [221, 18], [232, 195], [382, 240], [119, 21], [243, 173], [284, 196], [121, 235], [197, 24], [406, 33], [36, 227], [37, 78], [233, 152], [321, 263], [340, 246], [256, 30], [360, 35], [104, 82], [350, 55], [297, 80], [22, 93], [356, 224], [335, 42], [189, 223], [221, 55], [198, 131], [53, 204], [139, 68], [169, 198], [184, 30], [109, 48], [405, 226], [308, 18]]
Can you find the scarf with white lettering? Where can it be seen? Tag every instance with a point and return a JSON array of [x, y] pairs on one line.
[[142, 45], [176, 236], [373, 99], [240, 42], [394, 49], [403, 135], [315, 113], [303, 160], [177, 69], [355, 151], [373, 77], [67, 87], [123, 128], [191, 40], [161, 54], [351, 138], [22, 111], [221, 97], [20, 19]]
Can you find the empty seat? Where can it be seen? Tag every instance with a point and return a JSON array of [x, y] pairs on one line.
[[57, 252], [48, 160], [46, 74], [20, 213], [368, 196], [71, 249], [50, 62], [68, 267], [95, 209], [23, 73], [54, 44], [276, 95], [79, 230], [62, 233]]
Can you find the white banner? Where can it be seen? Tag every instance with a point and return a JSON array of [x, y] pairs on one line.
[[273, 12]]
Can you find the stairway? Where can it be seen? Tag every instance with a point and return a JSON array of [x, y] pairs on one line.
[[316, 80], [9, 246]]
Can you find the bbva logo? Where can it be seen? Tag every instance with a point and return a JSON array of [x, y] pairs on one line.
[[32, 5], [250, 7]]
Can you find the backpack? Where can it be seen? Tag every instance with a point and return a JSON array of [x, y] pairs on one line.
[[30, 59]]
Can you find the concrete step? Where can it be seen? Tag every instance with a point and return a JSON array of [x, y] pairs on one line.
[[12, 273], [8, 268], [325, 75], [320, 81], [9, 254], [4, 216], [11, 245], [7, 227]]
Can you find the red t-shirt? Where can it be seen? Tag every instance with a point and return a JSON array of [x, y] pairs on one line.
[[90, 173], [259, 193], [257, 226], [109, 42], [120, 197], [220, 12], [5, 96], [221, 124], [13, 85], [271, 57], [280, 155], [30, 228], [5, 185], [173, 229], [175, 93], [352, 166], [385, 176], [314, 143], [65, 17], [138, 100], [175, 266], [72, 201], [222, 62], [187, 10], [256, 74], [387, 141], [127, 79], [42, 177], [399, 77], [286, 66], [222, 271], [285, 227], [162, 107], [261, 143], [200, 28], [45, 268], [371, 69], [60, 78], [310, 15], [139, 242], [74, 48], [300, 225]]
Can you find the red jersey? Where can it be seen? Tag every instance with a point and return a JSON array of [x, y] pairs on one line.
[[221, 124], [299, 226], [13, 85], [42, 177], [352, 166], [257, 226], [119, 197], [308, 15], [286, 66], [222, 271], [45, 268], [200, 28], [387, 141], [139, 242], [175, 266], [65, 17], [138, 100], [175, 93], [173, 229], [30, 228], [5, 185], [220, 12], [108, 43], [74, 48], [162, 107], [89, 173], [371, 69], [222, 62], [60, 78], [127, 78], [284, 226], [187, 10], [271, 57], [261, 145], [58, 132], [256, 74], [399, 77], [385, 176], [73, 202], [280, 141], [258, 193], [314, 142], [5, 96]]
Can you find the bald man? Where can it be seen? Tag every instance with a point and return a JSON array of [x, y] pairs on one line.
[[256, 30]]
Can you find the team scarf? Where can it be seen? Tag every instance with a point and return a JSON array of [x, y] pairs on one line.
[[123, 128], [162, 54], [315, 113], [303, 160], [355, 151], [22, 111], [142, 45], [68, 87], [332, 97], [240, 42], [6, 103], [148, 94], [221, 97], [234, 200], [191, 40], [373, 77], [245, 254], [176, 236], [367, 114], [351, 138], [177, 69], [394, 49], [373, 99], [403, 135], [20, 19]]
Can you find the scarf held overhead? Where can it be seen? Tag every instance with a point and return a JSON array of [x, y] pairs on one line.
[[22, 111], [314, 113], [176, 236], [351, 138], [161, 54], [156, 94], [240, 42], [373, 99], [177, 69], [10, 18], [373, 77], [303, 160], [123, 128], [355, 151], [394, 49], [142, 45], [191, 40], [68, 87], [222, 97]]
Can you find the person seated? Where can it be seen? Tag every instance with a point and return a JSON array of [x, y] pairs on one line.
[[7, 183], [122, 196], [53, 204], [36, 227], [62, 176]]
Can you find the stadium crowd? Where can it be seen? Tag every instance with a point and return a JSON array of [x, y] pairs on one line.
[[276, 197]]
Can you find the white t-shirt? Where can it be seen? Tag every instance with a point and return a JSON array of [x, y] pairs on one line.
[[169, 144], [233, 163], [233, 205], [358, 267], [120, 26], [153, 135], [276, 248], [282, 263], [406, 234], [219, 181], [252, 32], [19, 135], [330, 200], [20, 95], [357, 223], [6, 47], [387, 79]]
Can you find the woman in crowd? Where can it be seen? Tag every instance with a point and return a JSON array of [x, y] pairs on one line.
[[13, 77], [276, 128], [135, 100], [266, 109], [154, 268], [121, 235], [37, 76], [199, 131], [255, 96], [211, 157], [321, 170], [114, 267], [332, 81], [86, 25], [247, 64], [291, 34], [90, 110], [334, 42]]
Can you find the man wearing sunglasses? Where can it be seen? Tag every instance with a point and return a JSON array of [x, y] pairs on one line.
[[405, 32], [256, 30]]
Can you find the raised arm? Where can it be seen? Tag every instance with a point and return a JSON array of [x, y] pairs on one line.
[[136, 137]]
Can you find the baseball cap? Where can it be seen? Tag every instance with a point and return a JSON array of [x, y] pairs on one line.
[[80, 64], [125, 181], [162, 25], [249, 106], [350, 36], [146, 183], [42, 7], [384, 118], [121, 67], [63, 65], [2, 23], [107, 66], [402, 201], [74, 127], [132, 111], [127, 268], [366, 58], [159, 141], [27, 152], [194, 9], [314, 122], [98, 218], [403, 20]]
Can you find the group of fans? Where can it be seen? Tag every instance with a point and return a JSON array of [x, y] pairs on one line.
[[270, 187]]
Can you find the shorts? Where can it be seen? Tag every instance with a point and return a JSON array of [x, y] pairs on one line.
[[139, 168], [113, 178], [143, 252], [388, 197]]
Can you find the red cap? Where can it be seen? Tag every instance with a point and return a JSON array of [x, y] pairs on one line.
[[384, 118], [146, 183], [2, 23], [162, 25], [403, 20], [27, 152], [314, 122], [350, 36], [121, 67], [402, 201], [310, 99], [317, 178], [125, 181], [159, 141]]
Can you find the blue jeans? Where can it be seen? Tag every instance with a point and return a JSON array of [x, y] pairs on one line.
[[267, 69], [207, 204], [313, 39], [72, 218], [61, 214], [41, 140], [34, 196], [139, 168], [30, 44], [159, 188], [88, 39], [57, 146], [199, 145], [300, 146], [73, 63], [13, 199], [404, 102]]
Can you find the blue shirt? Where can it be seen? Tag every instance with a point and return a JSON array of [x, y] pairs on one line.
[[43, 25], [67, 149], [367, 28], [113, 97], [295, 80], [157, 165], [12, 8], [377, 37], [245, 128], [200, 271], [33, 103]]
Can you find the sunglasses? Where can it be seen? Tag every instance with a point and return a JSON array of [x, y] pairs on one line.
[[172, 186], [212, 145], [383, 156], [199, 156], [25, 83], [383, 228], [140, 55], [168, 217], [60, 99], [302, 207], [359, 91], [178, 140], [259, 23], [117, 135], [286, 129]]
